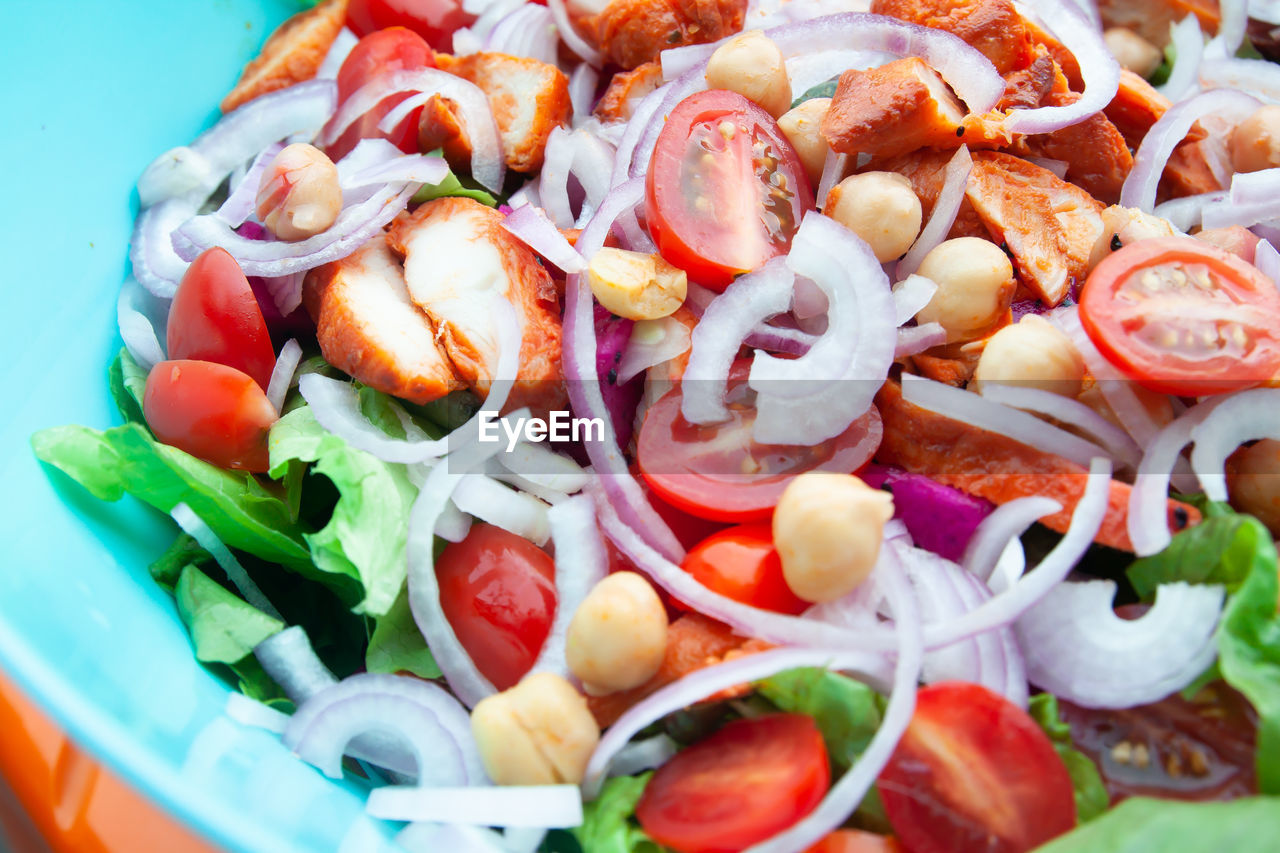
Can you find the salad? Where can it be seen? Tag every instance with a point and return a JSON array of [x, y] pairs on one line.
[[786, 425]]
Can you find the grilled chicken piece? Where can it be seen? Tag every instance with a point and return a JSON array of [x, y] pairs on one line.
[[528, 99], [1097, 157], [926, 170], [440, 128], [1048, 225], [1027, 87], [292, 54], [626, 89], [992, 27], [457, 256], [1136, 106], [368, 327], [899, 107], [633, 32]]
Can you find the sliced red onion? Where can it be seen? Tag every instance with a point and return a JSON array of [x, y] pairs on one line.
[[1078, 648], [134, 310], [579, 360], [1011, 565], [833, 169], [177, 173], [1250, 201], [716, 339], [1231, 28], [977, 411], [1256, 76], [653, 342], [632, 235], [576, 43], [911, 295], [1058, 167], [240, 203], [1006, 672], [676, 61], [285, 291], [807, 300], [404, 168], [424, 837], [528, 31], [643, 116], [337, 54], [998, 531], [550, 806], [1188, 44], [291, 662], [250, 712], [539, 464], [917, 339], [795, 403], [945, 209], [1148, 163], [282, 373], [1187, 212], [764, 14], [581, 562], [582, 91], [535, 230], [388, 713], [1267, 260], [513, 511], [195, 527], [1069, 412], [1244, 416], [1265, 10], [808, 70], [588, 159], [641, 755], [156, 265]]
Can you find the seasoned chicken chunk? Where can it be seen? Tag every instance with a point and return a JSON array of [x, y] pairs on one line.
[[633, 32], [1048, 225], [992, 27], [626, 89], [292, 54], [369, 328], [1097, 157], [457, 257]]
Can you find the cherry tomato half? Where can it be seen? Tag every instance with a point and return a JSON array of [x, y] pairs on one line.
[[393, 49], [718, 472], [725, 191], [434, 20], [741, 563], [856, 841], [216, 317], [212, 411], [974, 774], [498, 592], [1181, 316], [748, 781]]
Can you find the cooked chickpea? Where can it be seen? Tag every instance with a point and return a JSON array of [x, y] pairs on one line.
[[1132, 51], [635, 285], [1033, 354], [1124, 225], [539, 732], [975, 286], [881, 208], [299, 195], [1253, 481], [827, 529], [751, 65], [803, 128], [1255, 143], [618, 635]]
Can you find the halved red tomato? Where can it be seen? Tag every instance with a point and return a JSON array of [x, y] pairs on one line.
[[1181, 316], [725, 191], [748, 781], [392, 49], [718, 472], [741, 563], [974, 774], [856, 841], [212, 411], [434, 20], [216, 317]]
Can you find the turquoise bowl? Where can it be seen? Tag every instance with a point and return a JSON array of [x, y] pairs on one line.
[[93, 91]]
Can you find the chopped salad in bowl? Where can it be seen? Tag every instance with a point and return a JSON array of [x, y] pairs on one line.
[[786, 425]]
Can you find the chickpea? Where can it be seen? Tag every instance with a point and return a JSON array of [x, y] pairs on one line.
[[1253, 481], [618, 635], [1255, 142], [827, 528], [881, 208], [1124, 225], [1033, 354], [539, 732], [975, 286], [751, 65], [635, 285], [299, 195], [803, 128], [1132, 51]]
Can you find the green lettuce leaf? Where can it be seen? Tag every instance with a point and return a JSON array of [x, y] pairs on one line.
[[825, 89], [1091, 794], [451, 186], [128, 382], [185, 551], [126, 459], [847, 712], [1219, 549], [608, 823], [224, 628], [1142, 825], [397, 644]]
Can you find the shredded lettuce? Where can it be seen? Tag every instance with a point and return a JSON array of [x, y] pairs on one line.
[[608, 822], [224, 628], [1141, 825], [1091, 794], [825, 89], [397, 644], [452, 186], [185, 551], [128, 382]]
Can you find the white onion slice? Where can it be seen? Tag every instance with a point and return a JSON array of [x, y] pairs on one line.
[[535, 230], [805, 71], [291, 662], [282, 373], [974, 410], [917, 339], [1267, 260], [995, 533], [1187, 212], [1068, 411], [1257, 76], [425, 837], [1188, 42], [550, 470], [1233, 21], [641, 755], [911, 295], [653, 342], [833, 169], [576, 43], [195, 527], [337, 54], [945, 209], [550, 806], [453, 525], [137, 328], [1078, 648], [1244, 416], [513, 511], [250, 712], [581, 562], [582, 91]]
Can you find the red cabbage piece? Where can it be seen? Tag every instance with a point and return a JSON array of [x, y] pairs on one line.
[[612, 336], [939, 518]]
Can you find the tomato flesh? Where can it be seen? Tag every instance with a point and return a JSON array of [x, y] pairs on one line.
[[214, 412], [434, 20], [717, 472], [382, 50], [741, 563], [856, 841], [216, 317], [498, 592], [748, 781], [725, 191], [974, 774], [1181, 316]]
